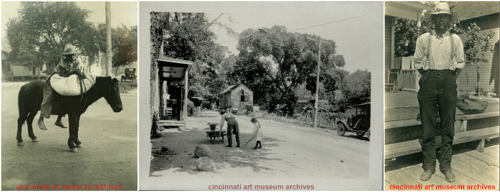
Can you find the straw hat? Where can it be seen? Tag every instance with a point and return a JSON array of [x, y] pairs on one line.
[[441, 8], [69, 50]]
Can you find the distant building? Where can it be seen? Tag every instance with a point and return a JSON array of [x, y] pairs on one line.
[[236, 97]]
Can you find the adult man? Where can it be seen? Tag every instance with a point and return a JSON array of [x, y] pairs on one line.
[[67, 66], [439, 58]]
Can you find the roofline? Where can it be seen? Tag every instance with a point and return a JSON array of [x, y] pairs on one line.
[[176, 61]]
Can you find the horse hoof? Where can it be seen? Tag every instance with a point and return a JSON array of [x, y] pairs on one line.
[[74, 150], [79, 146], [20, 144], [34, 140]]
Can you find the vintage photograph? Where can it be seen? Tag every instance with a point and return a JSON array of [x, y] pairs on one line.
[[277, 90], [69, 88], [441, 95]]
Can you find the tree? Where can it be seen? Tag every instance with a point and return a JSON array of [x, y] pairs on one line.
[[475, 44], [42, 29], [275, 63], [347, 90], [124, 43]]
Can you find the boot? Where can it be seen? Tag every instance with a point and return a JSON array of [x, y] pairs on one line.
[[450, 177], [426, 175]]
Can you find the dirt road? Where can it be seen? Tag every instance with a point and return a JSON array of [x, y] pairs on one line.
[[289, 151], [108, 157]]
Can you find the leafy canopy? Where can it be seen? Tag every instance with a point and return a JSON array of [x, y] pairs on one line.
[[42, 29]]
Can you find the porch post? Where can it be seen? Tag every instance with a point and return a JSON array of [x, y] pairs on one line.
[[184, 114]]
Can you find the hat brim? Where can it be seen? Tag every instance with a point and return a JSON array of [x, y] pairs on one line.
[[453, 18], [71, 53]]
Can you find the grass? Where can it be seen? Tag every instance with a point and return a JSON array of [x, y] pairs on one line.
[[300, 119]]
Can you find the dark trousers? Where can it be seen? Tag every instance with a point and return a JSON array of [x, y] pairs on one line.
[[437, 95], [46, 107], [232, 125]]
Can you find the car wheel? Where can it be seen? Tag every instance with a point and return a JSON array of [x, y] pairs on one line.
[[360, 133], [340, 129]]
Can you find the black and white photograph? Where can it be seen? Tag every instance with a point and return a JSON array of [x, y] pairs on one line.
[[260, 95], [441, 95], [69, 96]]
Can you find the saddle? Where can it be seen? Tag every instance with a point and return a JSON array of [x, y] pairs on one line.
[[72, 85]]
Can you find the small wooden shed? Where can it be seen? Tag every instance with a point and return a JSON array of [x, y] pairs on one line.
[[236, 97]]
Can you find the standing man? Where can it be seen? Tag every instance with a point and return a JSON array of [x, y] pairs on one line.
[[439, 58], [67, 66]]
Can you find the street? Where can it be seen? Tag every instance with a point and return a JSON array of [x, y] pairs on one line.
[[108, 157], [288, 151]]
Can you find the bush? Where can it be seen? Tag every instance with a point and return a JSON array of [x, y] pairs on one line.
[[206, 105], [249, 108]]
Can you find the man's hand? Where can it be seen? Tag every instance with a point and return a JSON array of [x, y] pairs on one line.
[[421, 71], [457, 72]]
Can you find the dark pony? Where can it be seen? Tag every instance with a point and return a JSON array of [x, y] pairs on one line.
[[30, 100]]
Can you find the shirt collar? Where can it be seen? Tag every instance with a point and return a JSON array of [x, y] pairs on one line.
[[447, 33]]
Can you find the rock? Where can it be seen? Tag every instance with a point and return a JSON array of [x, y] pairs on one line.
[[164, 148], [202, 151], [205, 164]]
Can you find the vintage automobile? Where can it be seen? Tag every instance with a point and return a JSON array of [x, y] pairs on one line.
[[130, 73], [359, 123]]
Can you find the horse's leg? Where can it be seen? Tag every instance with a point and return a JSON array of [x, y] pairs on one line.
[[29, 121], [20, 122], [72, 122], [77, 128]]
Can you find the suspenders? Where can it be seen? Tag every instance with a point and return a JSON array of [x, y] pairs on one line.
[[452, 50]]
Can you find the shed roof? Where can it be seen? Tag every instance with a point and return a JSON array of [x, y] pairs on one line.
[[175, 61], [473, 9], [230, 88]]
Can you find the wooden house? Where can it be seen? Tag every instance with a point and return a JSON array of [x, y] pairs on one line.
[[11, 71], [236, 97], [396, 75], [486, 16], [402, 126]]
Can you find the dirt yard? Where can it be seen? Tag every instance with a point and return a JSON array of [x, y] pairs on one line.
[[289, 151]]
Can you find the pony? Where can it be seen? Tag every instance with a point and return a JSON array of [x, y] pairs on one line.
[[30, 100]]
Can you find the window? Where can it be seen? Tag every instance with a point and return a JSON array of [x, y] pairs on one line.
[[242, 95]]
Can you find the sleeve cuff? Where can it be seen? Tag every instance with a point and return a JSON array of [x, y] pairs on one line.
[[418, 66]]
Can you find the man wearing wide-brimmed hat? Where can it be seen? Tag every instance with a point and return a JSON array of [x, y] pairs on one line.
[[67, 66], [439, 58]]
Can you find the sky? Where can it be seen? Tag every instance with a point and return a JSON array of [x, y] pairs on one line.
[[121, 13], [356, 27]]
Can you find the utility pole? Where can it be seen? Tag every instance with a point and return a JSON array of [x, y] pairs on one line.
[[108, 39], [317, 85]]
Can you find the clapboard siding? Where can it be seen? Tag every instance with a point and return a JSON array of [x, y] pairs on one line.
[[232, 98], [388, 31], [488, 70]]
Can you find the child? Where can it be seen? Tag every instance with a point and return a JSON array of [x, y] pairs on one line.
[[257, 133]]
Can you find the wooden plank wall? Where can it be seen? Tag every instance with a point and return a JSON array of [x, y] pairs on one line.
[[236, 97], [387, 45], [488, 70]]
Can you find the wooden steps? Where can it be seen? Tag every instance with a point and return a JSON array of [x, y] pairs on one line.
[[413, 122], [409, 112], [402, 132], [409, 147]]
